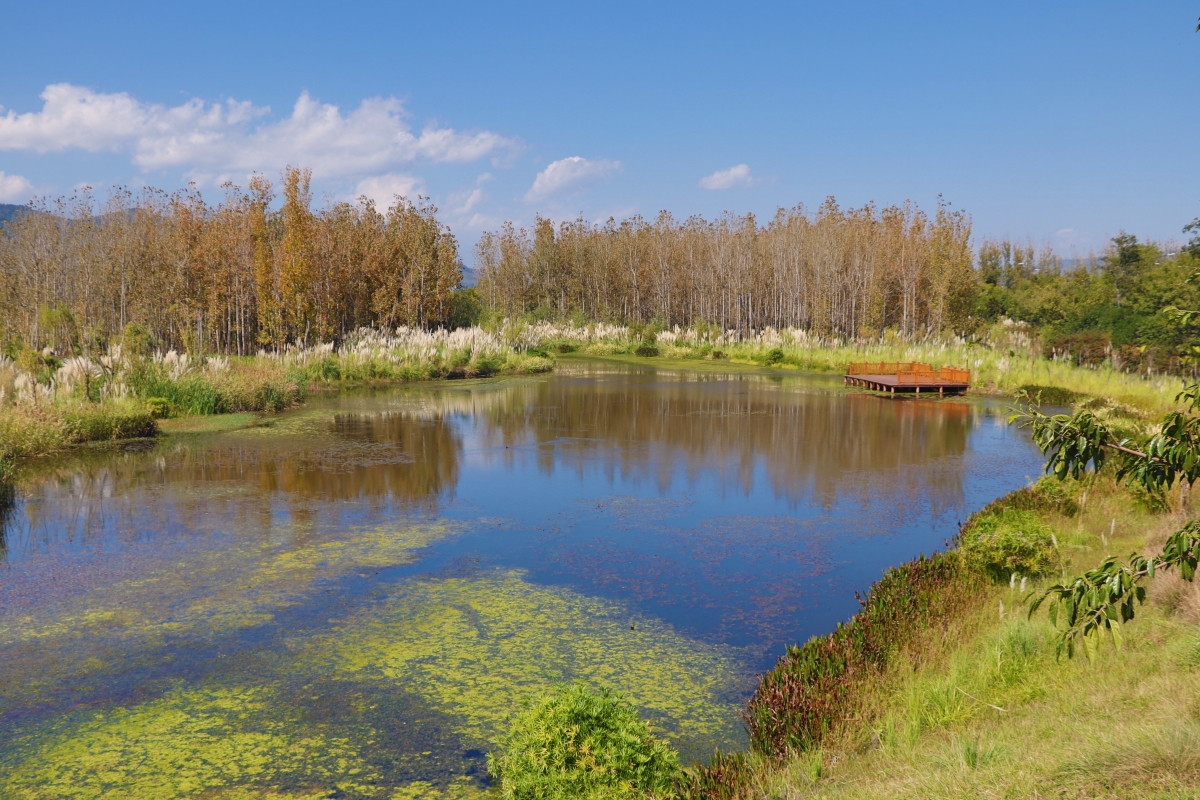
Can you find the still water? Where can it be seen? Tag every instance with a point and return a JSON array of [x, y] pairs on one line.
[[350, 600]]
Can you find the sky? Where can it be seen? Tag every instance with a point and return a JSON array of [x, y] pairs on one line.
[[1060, 123]]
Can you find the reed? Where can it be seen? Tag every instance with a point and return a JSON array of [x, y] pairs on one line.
[[1004, 360]]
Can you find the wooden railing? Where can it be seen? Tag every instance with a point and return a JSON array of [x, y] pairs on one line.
[[885, 367], [910, 373]]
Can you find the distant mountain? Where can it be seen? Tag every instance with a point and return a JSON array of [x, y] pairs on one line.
[[9, 211], [470, 277]]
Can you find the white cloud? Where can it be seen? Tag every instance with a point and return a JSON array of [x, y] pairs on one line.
[[462, 203], [728, 178], [384, 188], [14, 188], [212, 140], [569, 173]]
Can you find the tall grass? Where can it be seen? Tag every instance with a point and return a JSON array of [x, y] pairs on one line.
[[47, 403], [1003, 360]]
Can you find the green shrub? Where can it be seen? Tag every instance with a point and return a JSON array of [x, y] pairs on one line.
[[566, 347], [1048, 495], [159, 407], [773, 356], [1048, 395], [30, 431], [1008, 541], [646, 350], [102, 423], [576, 743]]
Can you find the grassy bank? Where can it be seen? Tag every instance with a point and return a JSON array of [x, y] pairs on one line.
[[942, 687], [48, 403], [1004, 361]]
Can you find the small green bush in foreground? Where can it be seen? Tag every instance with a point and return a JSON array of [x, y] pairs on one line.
[[576, 743], [1009, 541]]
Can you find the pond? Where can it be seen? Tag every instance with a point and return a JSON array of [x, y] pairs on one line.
[[351, 599]]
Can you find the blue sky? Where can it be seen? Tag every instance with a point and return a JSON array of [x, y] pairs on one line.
[[1062, 122]]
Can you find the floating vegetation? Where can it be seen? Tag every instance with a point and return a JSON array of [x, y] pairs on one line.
[[184, 744], [477, 648], [217, 589]]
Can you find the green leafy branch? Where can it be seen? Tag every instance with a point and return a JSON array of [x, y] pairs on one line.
[[1104, 598]]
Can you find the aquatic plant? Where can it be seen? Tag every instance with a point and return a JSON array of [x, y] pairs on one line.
[[579, 743], [186, 743], [478, 648]]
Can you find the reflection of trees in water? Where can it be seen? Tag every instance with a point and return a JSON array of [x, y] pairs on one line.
[[8, 498], [241, 482], [643, 427], [405, 448]]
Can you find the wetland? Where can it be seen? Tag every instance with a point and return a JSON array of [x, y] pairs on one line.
[[352, 598]]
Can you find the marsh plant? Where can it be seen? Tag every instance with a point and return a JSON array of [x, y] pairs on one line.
[[579, 743]]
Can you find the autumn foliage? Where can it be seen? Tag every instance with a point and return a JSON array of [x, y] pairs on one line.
[[244, 274], [846, 272]]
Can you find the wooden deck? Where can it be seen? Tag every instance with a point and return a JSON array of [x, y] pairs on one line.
[[907, 376], [898, 383]]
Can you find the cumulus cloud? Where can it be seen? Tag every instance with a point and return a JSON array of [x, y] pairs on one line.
[[569, 173], [728, 178], [216, 139], [384, 188], [14, 188]]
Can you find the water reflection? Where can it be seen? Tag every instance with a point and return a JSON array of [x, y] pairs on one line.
[[717, 515]]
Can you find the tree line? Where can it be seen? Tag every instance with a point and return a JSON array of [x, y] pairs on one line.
[[846, 272], [1105, 308], [245, 274]]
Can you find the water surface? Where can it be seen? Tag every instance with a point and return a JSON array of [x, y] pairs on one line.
[[349, 600]]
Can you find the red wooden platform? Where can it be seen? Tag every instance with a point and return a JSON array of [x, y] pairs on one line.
[[910, 376]]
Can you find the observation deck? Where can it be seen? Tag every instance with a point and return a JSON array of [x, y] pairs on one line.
[[907, 376]]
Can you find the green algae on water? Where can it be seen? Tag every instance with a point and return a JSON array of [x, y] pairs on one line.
[[477, 648]]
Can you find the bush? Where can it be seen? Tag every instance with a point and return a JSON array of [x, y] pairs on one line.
[[1009, 541], [575, 743], [1049, 495], [773, 356], [1048, 395], [646, 350], [159, 407], [6, 476], [103, 423], [30, 431]]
